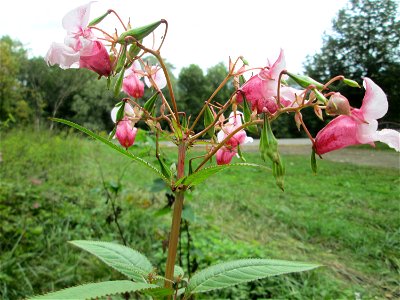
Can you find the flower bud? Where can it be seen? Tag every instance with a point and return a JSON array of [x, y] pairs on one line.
[[133, 86], [338, 105], [125, 133]]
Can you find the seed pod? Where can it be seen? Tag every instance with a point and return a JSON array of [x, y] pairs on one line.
[[338, 105]]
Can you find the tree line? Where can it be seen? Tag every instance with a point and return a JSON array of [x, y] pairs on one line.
[[364, 41]]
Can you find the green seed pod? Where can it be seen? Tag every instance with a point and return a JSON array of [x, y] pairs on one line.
[[305, 81]]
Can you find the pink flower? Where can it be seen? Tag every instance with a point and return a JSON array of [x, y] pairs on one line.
[[97, 59], [158, 76], [126, 132], [261, 89], [80, 48], [133, 86], [360, 127], [225, 154]]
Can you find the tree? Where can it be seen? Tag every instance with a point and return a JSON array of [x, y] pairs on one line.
[[365, 42], [192, 90], [12, 57]]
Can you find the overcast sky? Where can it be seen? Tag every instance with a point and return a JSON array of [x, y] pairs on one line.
[[201, 32]]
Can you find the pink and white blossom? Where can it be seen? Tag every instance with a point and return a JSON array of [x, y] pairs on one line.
[[261, 89], [225, 154], [126, 132], [158, 76], [80, 48], [360, 127]]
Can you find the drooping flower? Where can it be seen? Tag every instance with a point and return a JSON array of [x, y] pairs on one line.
[[261, 89], [360, 127], [158, 76], [126, 130], [80, 47], [225, 154]]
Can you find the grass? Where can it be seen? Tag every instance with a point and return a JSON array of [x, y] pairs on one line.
[[51, 191]]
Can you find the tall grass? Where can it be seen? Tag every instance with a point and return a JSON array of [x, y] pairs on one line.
[[52, 191]]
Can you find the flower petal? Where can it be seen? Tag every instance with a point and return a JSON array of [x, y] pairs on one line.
[[390, 137], [339, 133], [77, 19], [375, 104], [62, 55]]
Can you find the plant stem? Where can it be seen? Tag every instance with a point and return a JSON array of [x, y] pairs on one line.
[[176, 219]]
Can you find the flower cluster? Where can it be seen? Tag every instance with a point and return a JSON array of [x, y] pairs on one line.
[[265, 94]]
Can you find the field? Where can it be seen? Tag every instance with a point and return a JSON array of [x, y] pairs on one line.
[[61, 186]]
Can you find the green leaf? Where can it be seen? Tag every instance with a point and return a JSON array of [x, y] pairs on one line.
[[120, 112], [177, 129], [123, 259], [96, 290], [115, 147], [121, 59], [247, 115], [178, 272], [313, 162], [149, 105], [209, 119], [203, 174], [118, 83], [164, 168], [240, 271]]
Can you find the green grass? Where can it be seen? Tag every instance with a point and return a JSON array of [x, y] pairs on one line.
[[345, 218]]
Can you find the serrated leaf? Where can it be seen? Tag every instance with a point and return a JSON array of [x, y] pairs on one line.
[[115, 147], [240, 271], [96, 290], [178, 272], [203, 174], [125, 260]]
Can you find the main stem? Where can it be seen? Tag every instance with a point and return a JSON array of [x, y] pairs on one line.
[[176, 219]]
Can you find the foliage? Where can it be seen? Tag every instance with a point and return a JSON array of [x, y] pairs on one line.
[[50, 190], [12, 58], [363, 42]]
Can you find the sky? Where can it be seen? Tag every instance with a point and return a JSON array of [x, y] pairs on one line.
[[200, 32]]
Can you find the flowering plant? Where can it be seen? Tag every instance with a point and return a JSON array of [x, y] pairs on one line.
[[253, 105]]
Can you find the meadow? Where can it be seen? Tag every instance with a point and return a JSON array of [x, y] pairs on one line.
[[57, 187]]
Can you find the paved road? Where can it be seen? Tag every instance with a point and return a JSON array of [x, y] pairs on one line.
[[376, 158]]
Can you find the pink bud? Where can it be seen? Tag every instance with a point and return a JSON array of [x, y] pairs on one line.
[[224, 156], [133, 86], [338, 105], [96, 59], [125, 133]]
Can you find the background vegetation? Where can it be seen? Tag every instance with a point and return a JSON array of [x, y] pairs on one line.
[[60, 187]]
